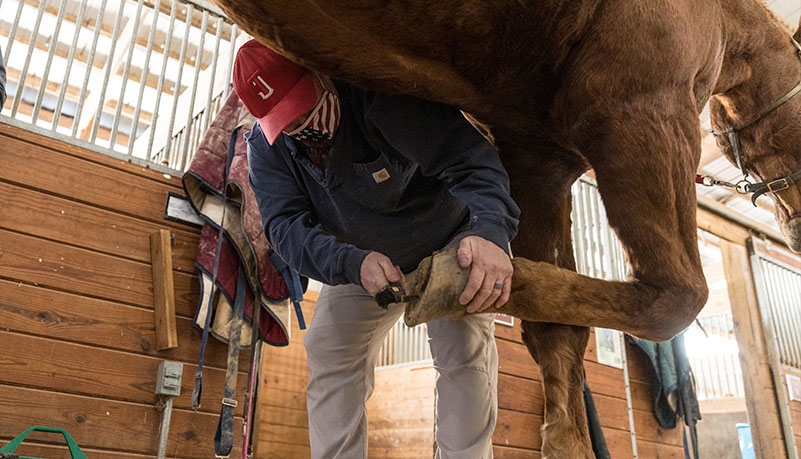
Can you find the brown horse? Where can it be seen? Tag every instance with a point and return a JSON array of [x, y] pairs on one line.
[[564, 86]]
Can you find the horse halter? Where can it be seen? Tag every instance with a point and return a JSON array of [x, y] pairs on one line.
[[744, 186]]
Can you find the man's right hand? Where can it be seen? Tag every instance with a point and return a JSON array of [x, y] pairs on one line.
[[377, 272]]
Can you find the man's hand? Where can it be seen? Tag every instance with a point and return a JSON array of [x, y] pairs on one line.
[[377, 272], [491, 268]]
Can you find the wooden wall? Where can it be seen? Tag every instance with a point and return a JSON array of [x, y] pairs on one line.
[[77, 335]]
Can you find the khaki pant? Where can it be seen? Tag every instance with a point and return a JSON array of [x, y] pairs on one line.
[[342, 346]]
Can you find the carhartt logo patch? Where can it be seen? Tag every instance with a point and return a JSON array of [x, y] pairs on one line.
[[381, 175]]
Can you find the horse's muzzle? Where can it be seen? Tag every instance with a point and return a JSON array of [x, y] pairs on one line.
[[792, 233]]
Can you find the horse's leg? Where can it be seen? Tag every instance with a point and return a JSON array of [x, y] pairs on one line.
[[541, 186], [645, 160]]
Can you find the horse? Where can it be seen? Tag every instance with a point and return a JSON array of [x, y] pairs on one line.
[[564, 86]]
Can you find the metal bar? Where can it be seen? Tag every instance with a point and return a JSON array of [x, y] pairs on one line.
[[230, 64], [198, 61], [124, 85], [792, 293], [70, 56], [177, 90], [143, 78], [629, 399], [154, 120], [13, 32], [779, 316], [778, 284], [31, 47], [107, 74], [53, 45], [209, 112], [785, 288], [89, 67]]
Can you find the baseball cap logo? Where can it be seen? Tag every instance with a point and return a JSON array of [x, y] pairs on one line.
[[265, 90]]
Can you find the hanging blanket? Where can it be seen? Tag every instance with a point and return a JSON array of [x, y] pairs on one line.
[[245, 242]]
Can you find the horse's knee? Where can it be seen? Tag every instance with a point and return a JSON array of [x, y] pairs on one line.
[[675, 308]]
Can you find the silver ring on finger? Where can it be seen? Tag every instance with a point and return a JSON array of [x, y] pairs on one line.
[[497, 286]]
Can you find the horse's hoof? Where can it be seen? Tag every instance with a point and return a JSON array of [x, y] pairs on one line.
[[438, 283]]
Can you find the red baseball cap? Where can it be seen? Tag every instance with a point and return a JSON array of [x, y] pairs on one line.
[[274, 89]]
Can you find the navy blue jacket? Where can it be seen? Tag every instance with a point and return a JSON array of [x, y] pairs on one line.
[[403, 176]]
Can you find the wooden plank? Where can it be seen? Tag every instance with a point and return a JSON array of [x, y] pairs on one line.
[[520, 430], [760, 395], [83, 181], [270, 434], [292, 417], [514, 359], [278, 450], [66, 367], [612, 412], [619, 443], [33, 139], [97, 423], [647, 428], [163, 290], [520, 394], [40, 262], [51, 217], [506, 452], [60, 315], [651, 450], [510, 333], [721, 227], [605, 380]]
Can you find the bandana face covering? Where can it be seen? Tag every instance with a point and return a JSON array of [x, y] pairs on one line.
[[322, 123]]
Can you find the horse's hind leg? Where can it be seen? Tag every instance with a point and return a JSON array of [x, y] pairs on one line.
[[541, 186]]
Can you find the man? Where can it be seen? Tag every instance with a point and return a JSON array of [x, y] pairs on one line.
[[354, 189]]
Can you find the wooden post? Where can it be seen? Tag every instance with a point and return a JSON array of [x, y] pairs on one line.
[[163, 290], [760, 398]]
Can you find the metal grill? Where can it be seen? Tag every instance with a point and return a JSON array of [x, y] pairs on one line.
[[716, 365], [133, 79], [598, 251], [404, 345], [782, 290]]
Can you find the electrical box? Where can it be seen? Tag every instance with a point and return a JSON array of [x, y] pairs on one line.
[[168, 380]]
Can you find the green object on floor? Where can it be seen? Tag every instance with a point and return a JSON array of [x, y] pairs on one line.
[[73, 447]]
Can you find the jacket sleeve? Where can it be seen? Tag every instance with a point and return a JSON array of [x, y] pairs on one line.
[[2, 81], [290, 226], [448, 147]]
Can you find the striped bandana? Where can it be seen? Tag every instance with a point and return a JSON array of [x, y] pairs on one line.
[[322, 123]]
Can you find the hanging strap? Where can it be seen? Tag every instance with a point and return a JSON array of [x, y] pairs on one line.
[[197, 392], [294, 285], [224, 438], [253, 377]]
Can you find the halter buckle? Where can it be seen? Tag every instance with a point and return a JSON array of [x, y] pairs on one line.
[[780, 184]]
